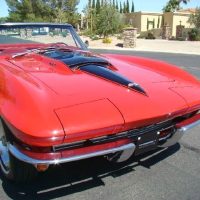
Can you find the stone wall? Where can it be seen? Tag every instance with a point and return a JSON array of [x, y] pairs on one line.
[[166, 32], [156, 32], [130, 37]]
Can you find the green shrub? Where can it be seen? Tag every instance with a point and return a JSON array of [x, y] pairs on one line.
[[150, 36], [54, 33], [172, 38], [87, 32], [94, 37], [194, 35], [64, 34], [51, 34], [109, 21], [180, 39], [119, 37], [177, 38], [141, 36], [107, 41]]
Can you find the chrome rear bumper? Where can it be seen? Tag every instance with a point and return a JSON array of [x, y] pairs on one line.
[[19, 155], [179, 133], [127, 149]]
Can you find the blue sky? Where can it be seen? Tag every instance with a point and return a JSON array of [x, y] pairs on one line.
[[140, 5]]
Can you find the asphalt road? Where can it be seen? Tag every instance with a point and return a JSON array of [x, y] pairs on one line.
[[169, 174], [188, 62]]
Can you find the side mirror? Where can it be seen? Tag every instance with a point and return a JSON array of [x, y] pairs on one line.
[[87, 43]]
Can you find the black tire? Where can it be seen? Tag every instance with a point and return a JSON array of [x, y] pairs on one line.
[[21, 172], [12, 168]]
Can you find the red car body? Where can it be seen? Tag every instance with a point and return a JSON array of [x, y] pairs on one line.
[[59, 114]]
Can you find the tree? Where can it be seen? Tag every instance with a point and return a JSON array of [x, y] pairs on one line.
[[174, 5], [27, 10], [195, 18], [89, 3], [114, 3], [120, 7], [124, 8], [43, 10], [62, 10], [3, 19], [93, 4], [127, 7], [90, 12], [109, 21], [117, 7], [133, 7], [98, 6], [70, 7]]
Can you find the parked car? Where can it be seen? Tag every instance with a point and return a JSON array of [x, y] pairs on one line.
[[61, 103]]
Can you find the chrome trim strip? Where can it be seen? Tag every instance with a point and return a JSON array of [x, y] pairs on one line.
[[190, 126], [25, 24], [19, 155], [143, 145], [164, 138], [179, 134]]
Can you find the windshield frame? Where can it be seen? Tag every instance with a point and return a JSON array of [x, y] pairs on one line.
[[50, 25]]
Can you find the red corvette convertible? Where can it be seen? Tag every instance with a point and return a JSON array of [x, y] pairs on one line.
[[60, 103]]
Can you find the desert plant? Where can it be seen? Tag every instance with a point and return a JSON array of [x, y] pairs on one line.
[[141, 36], [150, 36], [195, 18], [107, 40], [94, 37], [172, 38], [120, 37], [194, 35], [87, 32]]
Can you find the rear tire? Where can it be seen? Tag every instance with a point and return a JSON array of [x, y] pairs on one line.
[[12, 168]]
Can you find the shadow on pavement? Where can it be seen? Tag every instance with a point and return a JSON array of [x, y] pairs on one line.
[[119, 45], [79, 176]]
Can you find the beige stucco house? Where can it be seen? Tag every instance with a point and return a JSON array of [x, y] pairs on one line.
[[154, 21], [144, 21]]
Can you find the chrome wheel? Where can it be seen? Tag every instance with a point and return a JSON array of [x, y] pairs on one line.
[[4, 156], [4, 152], [12, 168]]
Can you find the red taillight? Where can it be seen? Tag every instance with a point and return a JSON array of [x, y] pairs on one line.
[[34, 140], [35, 148], [166, 132], [188, 121]]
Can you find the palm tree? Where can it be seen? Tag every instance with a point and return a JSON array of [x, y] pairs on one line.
[[184, 1], [173, 5]]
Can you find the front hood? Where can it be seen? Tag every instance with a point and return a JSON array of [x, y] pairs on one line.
[[74, 86]]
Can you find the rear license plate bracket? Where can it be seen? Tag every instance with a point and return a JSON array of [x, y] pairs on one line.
[[146, 142]]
